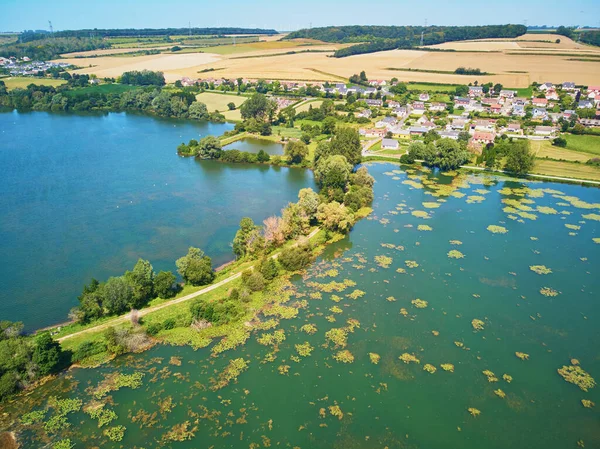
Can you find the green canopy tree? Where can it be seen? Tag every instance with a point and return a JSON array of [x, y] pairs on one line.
[[296, 151], [346, 142], [195, 267], [209, 147]]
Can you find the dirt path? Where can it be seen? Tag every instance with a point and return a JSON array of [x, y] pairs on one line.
[[142, 312]]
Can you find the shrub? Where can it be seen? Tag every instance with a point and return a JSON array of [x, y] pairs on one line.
[[256, 282], [88, 349], [296, 258], [169, 323]]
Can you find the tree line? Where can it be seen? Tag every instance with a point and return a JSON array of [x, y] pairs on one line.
[[51, 48]]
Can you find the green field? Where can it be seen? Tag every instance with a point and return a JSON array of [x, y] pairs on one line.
[[583, 143], [219, 102], [21, 82], [102, 89], [432, 87]]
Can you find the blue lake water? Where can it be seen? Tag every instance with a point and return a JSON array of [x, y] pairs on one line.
[[86, 196]]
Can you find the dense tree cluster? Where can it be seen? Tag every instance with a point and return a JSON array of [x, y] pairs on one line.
[[50, 48], [590, 37], [143, 78], [446, 154]]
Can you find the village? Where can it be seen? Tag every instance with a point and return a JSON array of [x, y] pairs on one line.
[[26, 67]]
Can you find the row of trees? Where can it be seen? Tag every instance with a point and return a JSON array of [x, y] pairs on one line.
[[51, 48], [143, 78]]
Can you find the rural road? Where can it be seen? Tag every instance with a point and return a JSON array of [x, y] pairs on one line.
[[142, 312]]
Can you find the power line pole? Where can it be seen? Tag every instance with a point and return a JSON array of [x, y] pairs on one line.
[[51, 29]]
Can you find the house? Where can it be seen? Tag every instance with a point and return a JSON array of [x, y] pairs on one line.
[[567, 85], [427, 124], [376, 103], [377, 83], [370, 132], [568, 113], [514, 128], [449, 135], [389, 144], [386, 122], [403, 133], [187, 82], [393, 104], [508, 93], [437, 107], [496, 108], [418, 108], [484, 137], [584, 104], [551, 94], [544, 130], [475, 91], [417, 130], [365, 113], [593, 90], [546, 86], [590, 122], [458, 124], [424, 96], [483, 125], [540, 102], [539, 113], [401, 111], [518, 110], [461, 101]]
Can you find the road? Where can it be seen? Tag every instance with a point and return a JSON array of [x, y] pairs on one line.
[[146, 311]]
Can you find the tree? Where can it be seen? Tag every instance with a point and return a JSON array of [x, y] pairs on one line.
[[335, 216], [446, 154], [333, 172], [268, 268], [564, 31], [308, 201], [329, 125], [243, 237], [346, 142], [198, 111], [520, 159], [296, 257], [117, 295], [47, 354], [263, 156], [258, 107], [363, 76], [164, 284], [358, 197], [195, 267], [497, 88], [461, 91], [231, 106], [274, 230], [560, 142], [141, 279], [362, 178], [296, 151], [209, 147]]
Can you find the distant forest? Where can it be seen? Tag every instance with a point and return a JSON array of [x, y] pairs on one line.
[[28, 36], [379, 38], [42, 50], [590, 37]]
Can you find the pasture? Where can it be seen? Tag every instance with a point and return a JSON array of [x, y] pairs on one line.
[[566, 169], [219, 102], [21, 82]]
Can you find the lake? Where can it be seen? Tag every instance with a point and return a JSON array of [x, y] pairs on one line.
[[86, 196], [429, 238], [253, 145]]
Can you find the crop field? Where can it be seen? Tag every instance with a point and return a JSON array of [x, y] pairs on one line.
[[587, 144], [566, 169], [19, 82], [219, 102], [545, 149]]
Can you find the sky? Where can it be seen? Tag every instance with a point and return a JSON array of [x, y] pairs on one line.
[[285, 15]]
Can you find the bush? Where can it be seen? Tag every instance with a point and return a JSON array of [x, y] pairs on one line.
[[164, 284], [256, 282], [268, 268], [154, 328], [88, 349], [560, 142], [296, 258], [216, 312], [169, 323]]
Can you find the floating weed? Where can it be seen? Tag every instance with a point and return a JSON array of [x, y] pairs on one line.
[[500, 393], [338, 336], [456, 242], [33, 417], [335, 309], [283, 369], [497, 229], [431, 204], [180, 432], [522, 355], [383, 261], [271, 339], [374, 358], [419, 303], [103, 415], [587, 403], [475, 199], [356, 294], [474, 412], [546, 210], [413, 184], [402, 270], [411, 263], [577, 376], [435, 333], [455, 254], [423, 227], [403, 312], [540, 269], [344, 356], [507, 377], [420, 214], [477, 324], [115, 433], [596, 240], [409, 358], [594, 217], [572, 226], [352, 324], [547, 291], [304, 349], [315, 295], [63, 444], [115, 381], [335, 410], [447, 367], [230, 373], [527, 215], [491, 377], [429, 368], [309, 329], [459, 344]]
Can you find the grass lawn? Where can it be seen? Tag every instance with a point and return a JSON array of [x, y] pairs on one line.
[[23, 81], [219, 102], [306, 105], [523, 91], [102, 89], [583, 143], [433, 87], [545, 149], [566, 169]]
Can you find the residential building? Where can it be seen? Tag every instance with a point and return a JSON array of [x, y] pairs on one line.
[[386, 122], [567, 85], [544, 130], [437, 107], [424, 96], [389, 144], [484, 137], [540, 102], [475, 91], [546, 86], [449, 134]]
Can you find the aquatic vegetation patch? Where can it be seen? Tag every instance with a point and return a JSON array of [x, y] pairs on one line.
[[423, 227], [409, 358], [540, 269], [474, 412], [587, 403], [507, 377], [33, 417], [429, 368], [594, 217], [272, 338], [572, 226], [547, 291], [419, 303], [383, 261], [421, 214], [356, 294], [63, 444], [344, 356], [411, 263], [283, 369], [335, 410], [497, 229], [374, 358], [475, 199], [596, 240], [448, 367], [116, 433], [477, 324], [456, 242], [180, 432], [117, 381], [338, 336], [230, 373], [576, 375], [455, 254], [500, 393], [522, 355], [431, 204], [491, 377], [304, 349], [104, 415], [546, 210]]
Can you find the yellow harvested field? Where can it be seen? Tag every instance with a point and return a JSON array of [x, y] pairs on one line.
[[246, 60], [566, 170], [305, 106], [110, 51], [219, 102], [544, 148], [21, 82]]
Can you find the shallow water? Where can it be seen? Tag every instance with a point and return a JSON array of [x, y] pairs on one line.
[[393, 404], [86, 196]]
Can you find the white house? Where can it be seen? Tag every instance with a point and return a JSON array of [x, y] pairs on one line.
[[389, 144]]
